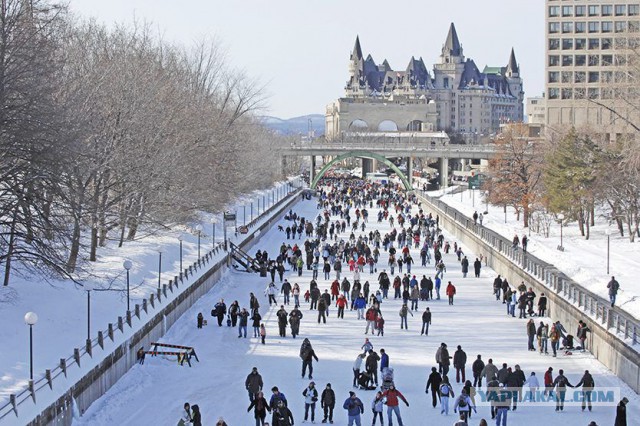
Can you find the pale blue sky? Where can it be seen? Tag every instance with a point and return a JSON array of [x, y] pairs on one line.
[[300, 48]]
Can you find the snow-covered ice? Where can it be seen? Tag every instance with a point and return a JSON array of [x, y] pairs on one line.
[[154, 393]]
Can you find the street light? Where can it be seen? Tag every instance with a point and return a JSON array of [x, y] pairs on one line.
[[31, 319], [127, 265], [199, 229], [180, 238], [159, 250], [88, 287], [213, 232], [608, 232], [560, 218], [486, 202]]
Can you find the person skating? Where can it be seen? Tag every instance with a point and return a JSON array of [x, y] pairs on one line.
[[260, 406], [310, 398], [356, 368], [294, 320], [200, 320], [433, 383], [253, 383], [446, 392], [476, 368], [322, 310], [587, 384], [489, 371], [308, 355], [354, 408], [477, 266], [377, 405], [621, 412], [404, 311], [384, 360], [450, 291], [196, 416], [426, 321], [282, 416], [393, 400], [464, 405], [242, 324], [271, 292], [531, 334], [219, 311], [186, 418], [277, 398], [560, 384], [459, 362], [542, 305], [255, 323], [282, 321], [534, 385], [371, 365], [328, 403]]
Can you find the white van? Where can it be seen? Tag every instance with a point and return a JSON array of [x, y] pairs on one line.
[[378, 177]]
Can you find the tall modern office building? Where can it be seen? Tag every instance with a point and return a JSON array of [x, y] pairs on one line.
[[592, 49]]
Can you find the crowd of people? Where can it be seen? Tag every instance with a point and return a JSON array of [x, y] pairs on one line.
[[338, 244]]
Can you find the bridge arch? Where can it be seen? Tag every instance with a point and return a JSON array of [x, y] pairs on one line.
[[359, 125], [365, 154], [387, 126]]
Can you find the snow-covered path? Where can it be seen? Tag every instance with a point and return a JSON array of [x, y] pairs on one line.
[[153, 393]]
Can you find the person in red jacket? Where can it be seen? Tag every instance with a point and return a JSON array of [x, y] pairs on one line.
[[341, 303], [548, 382], [393, 395], [335, 289], [451, 291]]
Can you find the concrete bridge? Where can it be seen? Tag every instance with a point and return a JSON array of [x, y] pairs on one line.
[[383, 146]]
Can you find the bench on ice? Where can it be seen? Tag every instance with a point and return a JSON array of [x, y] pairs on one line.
[[184, 353]]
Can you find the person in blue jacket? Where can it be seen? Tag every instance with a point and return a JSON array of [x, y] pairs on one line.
[[384, 360], [360, 303], [354, 408]]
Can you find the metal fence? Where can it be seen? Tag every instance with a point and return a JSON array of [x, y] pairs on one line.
[[151, 303], [599, 309]]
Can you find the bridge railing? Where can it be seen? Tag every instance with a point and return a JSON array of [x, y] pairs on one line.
[[390, 145]]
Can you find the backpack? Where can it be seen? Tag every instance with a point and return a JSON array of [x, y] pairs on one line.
[[462, 402], [444, 389]]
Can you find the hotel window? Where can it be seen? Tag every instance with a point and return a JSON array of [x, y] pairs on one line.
[[607, 10], [554, 27], [606, 43], [581, 10], [621, 9], [581, 27], [594, 10], [594, 60], [553, 76], [580, 77], [620, 43], [581, 60], [554, 11], [594, 43], [594, 93], [581, 43], [553, 93], [567, 93], [606, 26], [554, 44], [620, 60], [607, 93], [607, 60], [567, 76], [567, 10], [567, 60], [621, 26], [594, 76], [567, 44], [594, 27], [634, 9], [606, 76], [619, 77], [567, 27], [554, 60], [578, 93], [634, 26]]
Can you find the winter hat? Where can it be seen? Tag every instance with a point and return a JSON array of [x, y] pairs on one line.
[[625, 400], [351, 393], [255, 368], [329, 385]]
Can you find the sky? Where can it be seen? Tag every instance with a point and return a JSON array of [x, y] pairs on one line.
[[299, 49]]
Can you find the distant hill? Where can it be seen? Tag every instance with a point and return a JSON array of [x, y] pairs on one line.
[[295, 125]]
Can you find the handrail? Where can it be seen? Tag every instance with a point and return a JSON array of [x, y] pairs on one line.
[[28, 393], [614, 320]]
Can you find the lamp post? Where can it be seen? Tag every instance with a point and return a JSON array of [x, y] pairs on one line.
[[31, 319], [561, 218], [199, 229], [159, 250], [486, 202], [88, 287], [127, 266], [213, 232], [608, 231], [180, 238]]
